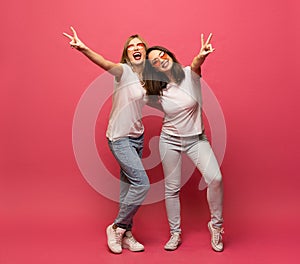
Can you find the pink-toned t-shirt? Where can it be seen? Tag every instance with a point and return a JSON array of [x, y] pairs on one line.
[[182, 106], [127, 103]]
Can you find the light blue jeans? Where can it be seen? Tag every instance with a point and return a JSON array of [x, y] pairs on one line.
[[134, 182], [200, 152]]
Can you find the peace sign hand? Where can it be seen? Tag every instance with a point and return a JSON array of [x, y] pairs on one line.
[[206, 47], [75, 41]]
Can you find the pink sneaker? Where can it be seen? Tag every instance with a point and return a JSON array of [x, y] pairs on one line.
[[130, 243], [114, 238], [174, 242], [216, 237]]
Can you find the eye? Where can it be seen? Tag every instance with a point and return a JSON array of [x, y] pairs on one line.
[[155, 62], [130, 47], [141, 45]]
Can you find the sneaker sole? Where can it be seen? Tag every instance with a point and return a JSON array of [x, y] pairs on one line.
[[172, 249], [132, 250]]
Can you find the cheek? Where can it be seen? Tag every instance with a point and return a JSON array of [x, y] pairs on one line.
[[129, 55], [143, 54]]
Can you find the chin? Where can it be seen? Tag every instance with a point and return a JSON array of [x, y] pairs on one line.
[[137, 62]]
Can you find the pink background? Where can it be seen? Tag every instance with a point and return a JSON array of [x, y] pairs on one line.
[[50, 214]]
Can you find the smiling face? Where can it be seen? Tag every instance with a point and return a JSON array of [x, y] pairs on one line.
[[136, 51], [160, 60]]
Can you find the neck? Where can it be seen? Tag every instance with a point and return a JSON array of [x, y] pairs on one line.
[[138, 68]]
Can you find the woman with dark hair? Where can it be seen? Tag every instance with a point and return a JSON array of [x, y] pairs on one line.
[[125, 134], [178, 90]]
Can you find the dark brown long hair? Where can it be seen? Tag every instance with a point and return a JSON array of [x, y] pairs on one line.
[[124, 58], [156, 81]]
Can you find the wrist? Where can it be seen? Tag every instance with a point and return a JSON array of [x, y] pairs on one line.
[[84, 49], [201, 57]]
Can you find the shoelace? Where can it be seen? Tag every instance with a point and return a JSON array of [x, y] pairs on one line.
[[217, 234], [174, 238], [132, 240], [118, 237]]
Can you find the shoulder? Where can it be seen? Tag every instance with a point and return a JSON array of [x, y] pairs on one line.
[[126, 72], [189, 72], [126, 67], [128, 76]]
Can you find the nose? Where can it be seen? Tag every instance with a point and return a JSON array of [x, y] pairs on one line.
[[160, 60]]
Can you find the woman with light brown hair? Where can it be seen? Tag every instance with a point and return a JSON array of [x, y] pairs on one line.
[[125, 134]]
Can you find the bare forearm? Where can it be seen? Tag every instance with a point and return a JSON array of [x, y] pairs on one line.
[[196, 64], [114, 68], [99, 60]]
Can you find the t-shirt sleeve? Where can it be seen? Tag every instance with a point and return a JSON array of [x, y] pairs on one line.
[[195, 78], [124, 74]]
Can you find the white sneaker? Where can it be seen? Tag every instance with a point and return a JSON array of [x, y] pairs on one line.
[[114, 238], [174, 242], [216, 237], [130, 243]]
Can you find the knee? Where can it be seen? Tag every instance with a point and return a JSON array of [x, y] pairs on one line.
[[140, 190], [216, 180], [146, 187]]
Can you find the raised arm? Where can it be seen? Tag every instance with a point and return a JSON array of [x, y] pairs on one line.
[[206, 49], [114, 68]]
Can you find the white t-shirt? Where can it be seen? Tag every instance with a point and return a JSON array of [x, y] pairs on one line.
[[127, 103], [182, 106]]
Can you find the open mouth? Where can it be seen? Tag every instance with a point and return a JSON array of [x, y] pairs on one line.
[[137, 55], [165, 64]]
